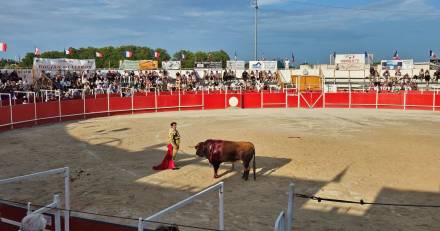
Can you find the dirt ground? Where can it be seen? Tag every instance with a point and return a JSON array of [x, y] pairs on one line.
[[388, 156]]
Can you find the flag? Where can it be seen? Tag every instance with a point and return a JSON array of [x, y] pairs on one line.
[[3, 47], [235, 55], [183, 56], [156, 54], [432, 55], [293, 57], [128, 54], [396, 56], [68, 51], [99, 54], [37, 51]]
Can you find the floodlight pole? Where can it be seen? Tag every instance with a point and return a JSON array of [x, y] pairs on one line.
[[255, 4]]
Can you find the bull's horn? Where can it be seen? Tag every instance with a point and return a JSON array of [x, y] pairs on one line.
[[191, 146]]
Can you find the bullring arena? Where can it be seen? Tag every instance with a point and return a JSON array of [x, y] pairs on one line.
[[377, 155]]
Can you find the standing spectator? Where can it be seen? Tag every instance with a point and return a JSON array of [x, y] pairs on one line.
[[33, 222]]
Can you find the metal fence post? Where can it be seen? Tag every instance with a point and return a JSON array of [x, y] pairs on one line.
[[140, 224], [10, 109], [203, 100], [35, 108], [57, 213], [221, 225], [67, 199], [377, 96], [290, 206]]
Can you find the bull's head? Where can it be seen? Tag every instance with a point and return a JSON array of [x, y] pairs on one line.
[[201, 149]]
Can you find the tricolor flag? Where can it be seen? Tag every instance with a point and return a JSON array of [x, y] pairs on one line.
[[156, 54], [99, 54], [68, 51], [37, 51], [396, 56], [432, 55], [128, 54], [3, 47]]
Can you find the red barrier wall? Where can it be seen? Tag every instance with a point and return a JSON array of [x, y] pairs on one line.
[[48, 109], [5, 115], [251, 100], [16, 213], [95, 107], [120, 104], [214, 101], [337, 100], [144, 102], [189, 101], [363, 99], [167, 102], [72, 107], [236, 95], [274, 100], [311, 99], [437, 102], [391, 100], [23, 112], [417, 101], [292, 101]]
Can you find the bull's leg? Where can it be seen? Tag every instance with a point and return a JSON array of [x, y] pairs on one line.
[[216, 166], [246, 170]]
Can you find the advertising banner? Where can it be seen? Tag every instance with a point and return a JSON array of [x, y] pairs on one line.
[[139, 65], [148, 65], [129, 65], [350, 61], [263, 65], [208, 65], [171, 65], [235, 65], [62, 64], [397, 64]]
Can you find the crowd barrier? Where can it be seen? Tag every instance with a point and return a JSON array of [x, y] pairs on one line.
[[34, 112]]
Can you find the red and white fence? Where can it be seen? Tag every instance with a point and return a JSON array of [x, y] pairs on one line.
[[35, 112]]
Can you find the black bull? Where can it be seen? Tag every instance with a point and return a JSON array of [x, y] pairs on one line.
[[219, 151]]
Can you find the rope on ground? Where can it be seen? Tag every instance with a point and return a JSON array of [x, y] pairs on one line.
[[112, 216], [362, 202]]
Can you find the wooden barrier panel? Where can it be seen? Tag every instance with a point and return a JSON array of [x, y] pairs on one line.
[[23, 112], [214, 101], [311, 100], [48, 109], [391, 100], [5, 115], [274, 100], [417, 101], [251, 100], [337, 100], [72, 107], [168, 102], [363, 99], [96, 105], [292, 101], [191, 102], [144, 102]]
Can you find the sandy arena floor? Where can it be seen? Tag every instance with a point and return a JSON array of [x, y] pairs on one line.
[[386, 156]]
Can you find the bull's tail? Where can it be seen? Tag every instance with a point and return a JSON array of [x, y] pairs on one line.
[[254, 167]]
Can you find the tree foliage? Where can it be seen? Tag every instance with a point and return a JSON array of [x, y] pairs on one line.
[[112, 56]]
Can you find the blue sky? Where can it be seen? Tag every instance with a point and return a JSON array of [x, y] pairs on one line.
[[311, 29]]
